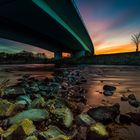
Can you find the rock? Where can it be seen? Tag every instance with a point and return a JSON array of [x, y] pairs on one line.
[[97, 132], [31, 138], [13, 92], [60, 111], [64, 85], [125, 119], [84, 120], [80, 98], [124, 98], [131, 97], [19, 131], [108, 93], [32, 114], [108, 90], [25, 98], [38, 103], [133, 101], [55, 103], [76, 107], [43, 87], [64, 115], [6, 108], [55, 133], [21, 103], [34, 87], [104, 114], [9, 91], [20, 106]]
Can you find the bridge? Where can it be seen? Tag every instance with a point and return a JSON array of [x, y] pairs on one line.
[[54, 25]]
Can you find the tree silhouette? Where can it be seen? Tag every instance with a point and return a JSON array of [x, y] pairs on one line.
[[136, 39]]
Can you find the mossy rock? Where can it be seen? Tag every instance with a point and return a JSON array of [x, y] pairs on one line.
[[6, 108], [19, 131]]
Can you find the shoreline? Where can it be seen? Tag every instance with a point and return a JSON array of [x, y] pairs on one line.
[[96, 78]]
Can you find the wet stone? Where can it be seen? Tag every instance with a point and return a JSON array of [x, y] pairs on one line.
[[133, 101], [25, 98], [108, 90], [104, 114]]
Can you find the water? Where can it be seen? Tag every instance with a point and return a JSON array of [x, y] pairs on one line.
[[14, 72], [125, 78]]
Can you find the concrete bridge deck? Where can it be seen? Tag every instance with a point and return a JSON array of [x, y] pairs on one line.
[[49, 24]]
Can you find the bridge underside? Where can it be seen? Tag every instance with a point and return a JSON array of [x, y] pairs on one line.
[[25, 21]]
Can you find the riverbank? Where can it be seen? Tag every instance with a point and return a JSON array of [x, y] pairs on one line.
[[131, 58], [79, 89]]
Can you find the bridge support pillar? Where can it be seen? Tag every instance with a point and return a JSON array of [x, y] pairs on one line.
[[58, 55], [79, 54]]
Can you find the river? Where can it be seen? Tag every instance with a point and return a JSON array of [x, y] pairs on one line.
[[125, 78]]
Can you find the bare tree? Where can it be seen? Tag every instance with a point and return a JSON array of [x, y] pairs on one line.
[[136, 39]]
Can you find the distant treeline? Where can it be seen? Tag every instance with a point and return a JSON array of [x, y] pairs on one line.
[[22, 57], [132, 58]]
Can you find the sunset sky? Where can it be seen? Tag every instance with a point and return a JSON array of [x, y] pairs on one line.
[[110, 24]]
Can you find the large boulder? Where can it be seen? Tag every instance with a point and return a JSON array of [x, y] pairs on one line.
[[19, 131], [104, 114]]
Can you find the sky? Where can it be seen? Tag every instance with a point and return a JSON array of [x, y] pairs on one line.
[[110, 24]]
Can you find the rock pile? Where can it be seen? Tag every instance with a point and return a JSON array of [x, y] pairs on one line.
[[48, 109]]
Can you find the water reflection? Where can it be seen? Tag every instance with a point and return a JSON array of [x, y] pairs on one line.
[[127, 81], [14, 72]]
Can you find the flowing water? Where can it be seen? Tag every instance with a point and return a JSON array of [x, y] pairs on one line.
[[125, 78]]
